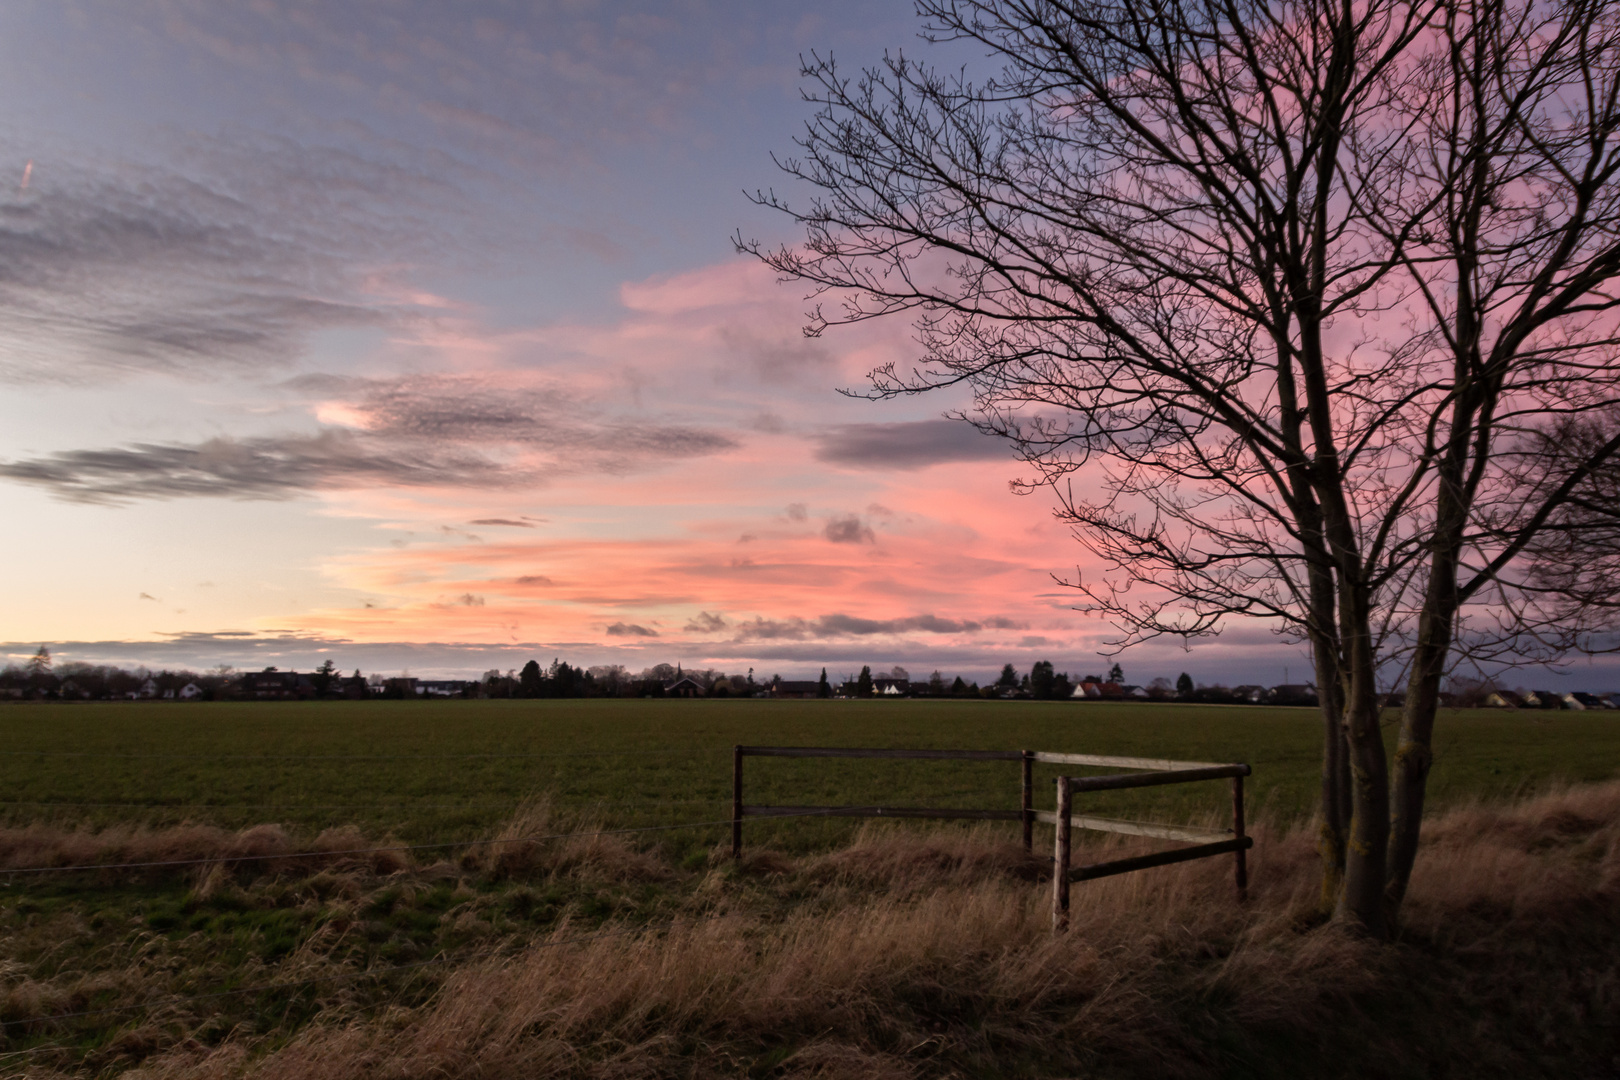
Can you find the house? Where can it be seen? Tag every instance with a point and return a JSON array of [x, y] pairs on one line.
[[1293, 694], [784, 689], [1544, 699], [1611, 700], [440, 687], [1254, 695], [1579, 699], [685, 686], [887, 686], [273, 685], [1504, 699], [1086, 691], [148, 690], [190, 692], [1110, 691]]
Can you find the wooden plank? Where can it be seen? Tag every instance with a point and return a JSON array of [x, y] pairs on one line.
[[1161, 858], [1242, 870], [1102, 761], [736, 801], [1153, 779], [881, 811], [1026, 793], [869, 752], [1060, 859], [1137, 828]]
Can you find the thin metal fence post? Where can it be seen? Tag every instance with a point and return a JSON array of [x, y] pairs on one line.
[[736, 802], [1237, 833], [1060, 860], [1028, 797]]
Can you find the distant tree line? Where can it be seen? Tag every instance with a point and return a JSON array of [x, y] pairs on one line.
[[41, 679]]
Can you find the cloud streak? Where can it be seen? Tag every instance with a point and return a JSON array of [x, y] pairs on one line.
[[254, 468], [110, 271], [415, 433], [906, 446], [847, 626]]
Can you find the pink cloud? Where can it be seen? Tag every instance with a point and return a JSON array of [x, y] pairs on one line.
[[764, 536]]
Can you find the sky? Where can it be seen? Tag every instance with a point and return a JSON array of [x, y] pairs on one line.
[[413, 335]]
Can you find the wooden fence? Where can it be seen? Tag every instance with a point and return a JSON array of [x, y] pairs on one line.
[[1150, 772], [1206, 842]]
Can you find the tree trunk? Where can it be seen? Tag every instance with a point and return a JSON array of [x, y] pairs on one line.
[[1325, 651], [1361, 900], [1414, 755], [1335, 827]]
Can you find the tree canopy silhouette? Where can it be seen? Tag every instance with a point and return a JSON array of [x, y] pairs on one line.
[[1302, 309]]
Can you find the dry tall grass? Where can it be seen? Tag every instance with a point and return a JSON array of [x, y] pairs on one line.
[[909, 955]]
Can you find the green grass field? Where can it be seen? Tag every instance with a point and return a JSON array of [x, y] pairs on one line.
[[440, 771]]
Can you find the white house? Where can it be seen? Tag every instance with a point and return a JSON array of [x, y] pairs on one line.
[[190, 691]]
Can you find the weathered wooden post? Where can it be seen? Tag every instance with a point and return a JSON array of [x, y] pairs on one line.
[[736, 802], [1028, 803], [1060, 860], [1237, 834]]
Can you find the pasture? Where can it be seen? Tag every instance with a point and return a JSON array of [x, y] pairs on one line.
[[426, 772]]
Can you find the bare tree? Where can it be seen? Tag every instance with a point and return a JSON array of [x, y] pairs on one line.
[[1285, 301]]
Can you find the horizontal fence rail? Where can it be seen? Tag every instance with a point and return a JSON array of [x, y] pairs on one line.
[[1160, 858], [1154, 779], [864, 752], [1109, 762], [1135, 828], [883, 811], [1025, 813]]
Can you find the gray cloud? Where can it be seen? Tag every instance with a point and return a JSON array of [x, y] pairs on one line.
[[502, 521], [418, 431], [141, 270], [275, 467], [620, 629], [458, 409], [913, 445], [798, 512], [778, 360], [706, 623], [834, 626], [848, 529]]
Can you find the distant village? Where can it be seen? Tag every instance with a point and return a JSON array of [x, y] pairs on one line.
[[41, 680]]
